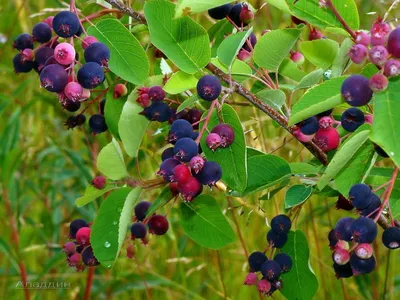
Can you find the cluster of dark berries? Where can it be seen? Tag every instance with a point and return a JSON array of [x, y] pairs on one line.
[[55, 62], [79, 251], [381, 46], [239, 14], [271, 269], [154, 107]]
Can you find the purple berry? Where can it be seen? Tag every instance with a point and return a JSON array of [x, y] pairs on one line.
[[362, 266], [281, 223], [167, 153], [88, 257], [343, 229], [256, 259], [158, 111], [75, 225], [69, 248], [364, 230], [158, 224], [98, 53], [213, 141], [42, 55], [358, 53], [284, 261], [66, 24], [271, 270], [156, 93], [394, 43], [391, 237], [392, 68], [277, 240], [309, 126], [234, 14], [352, 119], [378, 55], [97, 124], [379, 33], [22, 42], [356, 91], [54, 78], [344, 271], [138, 231], [167, 168], [41, 32], [90, 75], [141, 210], [378, 83], [209, 87], [180, 129], [210, 173], [185, 149], [363, 38], [21, 65], [253, 41], [74, 260], [226, 133], [360, 196], [196, 164], [220, 12]]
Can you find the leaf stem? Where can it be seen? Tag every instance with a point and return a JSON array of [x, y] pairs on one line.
[[207, 119]]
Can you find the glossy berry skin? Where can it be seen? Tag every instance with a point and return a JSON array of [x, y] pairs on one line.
[[343, 229], [327, 139], [281, 223], [181, 174], [341, 256], [42, 55], [392, 68], [138, 231], [73, 91], [167, 168], [209, 87], [271, 270], [180, 129], [226, 133], [64, 54], [90, 75], [356, 91], [21, 65], [88, 257], [185, 149], [264, 286], [158, 224], [98, 53], [309, 126], [158, 111], [190, 189], [378, 55], [196, 164], [371, 210], [362, 266], [364, 251], [255, 260], [87, 41], [99, 182], [220, 12], [251, 279], [167, 153], [22, 42], [393, 45], [41, 32], [54, 78], [344, 271], [66, 24], [156, 93], [75, 225], [378, 83], [360, 196], [210, 173], [83, 236], [277, 240], [213, 141], [358, 53], [97, 124], [364, 230], [141, 210], [352, 119], [391, 238], [284, 261]]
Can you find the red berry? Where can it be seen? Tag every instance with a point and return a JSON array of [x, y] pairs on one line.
[[302, 137], [327, 139], [379, 33], [378, 82], [251, 279], [83, 236], [181, 174], [246, 15], [158, 224], [99, 182], [69, 248], [173, 186], [315, 34], [263, 286], [190, 189], [120, 90], [74, 260], [226, 133]]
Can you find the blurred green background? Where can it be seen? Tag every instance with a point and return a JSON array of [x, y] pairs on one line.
[[44, 168]]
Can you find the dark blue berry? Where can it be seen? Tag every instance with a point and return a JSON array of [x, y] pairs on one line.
[[277, 240], [138, 231], [193, 116], [167, 153], [364, 230], [343, 271], [343, 229], [356, 91], [158, 111], [66, 24], [98, 53], [210, 173], [156, 93], [253, 42], [97, 124], [391, 237], [225, 131], [185, 149], [75, 225], [220, 12], [343, 203], [88, 257], [41, 32], [333, 240], [271, 270], [80, 119], [23, 41], [21, 65], [71, 105], [180, 129], [167, 168], [234, 14], [256, 259], [71, 122], [284, 261], [209, 87], [309, 126], [42, 55], [362, 266], [352, 119], [372, 208], [281, 223], [360, 196], [141, 210], [54, 78], [90, 75]]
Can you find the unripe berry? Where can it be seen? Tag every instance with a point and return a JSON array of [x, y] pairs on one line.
[[363, 38], [83, 236], [120, 90], [28, 55], [234, 14], [358, 53], [209, 87], [251, 279], [369, 118], [302, 137], [226, 133], [181, 174], [190, 189], [379, 33], [326, 122], [341, 256], [74, 260], [246, 15], [213, 141], [378, 55], [69, 248], [158, 224], [364, 251], [73, 91], [297, 58], [244, 55], [99, 182], [394, 43], [392, 68], [263, 286], [315, 34], [75, 225], [87, 41], [378, 82], [49, 21], [196, 164], [64, 54], [173, 187], [327, 139]]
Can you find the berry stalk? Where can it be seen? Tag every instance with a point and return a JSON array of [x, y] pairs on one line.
[[388, 192]]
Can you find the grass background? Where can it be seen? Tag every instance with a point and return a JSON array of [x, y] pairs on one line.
[[45, 168]]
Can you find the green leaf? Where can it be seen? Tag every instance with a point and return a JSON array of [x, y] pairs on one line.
[[369, 70], [111, 162], [204, 223], [240, 71], [274, 47], [310, 79], [342, 59], [296, 195], [320, 53], [317, 99], [109, 228], [188, 102], [301, 282], [113, 110], [91, 194], [274, 98], [197, 6], [233, 158], [344, 155], [230, 47], [182, 40], [217, 34], [163, 198], [180, 82], [303, 169], [386, 125], [290, 70], [128, 59]]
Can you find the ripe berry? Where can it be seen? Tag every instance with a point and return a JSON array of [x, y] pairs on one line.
[[253, 41], [73, 91], [264, 286], [358, 53], [234, 14], [138, 231], [156, 93], [220, 12], [90, 75], [362, 266], [378, 83], [210, 173], [54, 78], [374, 205], [190, 189], [28, 55], [185, 149], [281, 223], [87, 41], [360, 196], [41, 32], [244, 55], [64, 54], [277, 240], [99, 182], [42, 55], [180, 129], [341, 256], [391, 237], [75, 225], [120, 90], [379, 33], [167, 153], [22, 42], [69, 248], [343, 229], [21, 65], [327, 139], [71, 105], [344, 271], [74, 260], [271, 270], [98, 53], [158, 224], [309, 126], [97, 124], [246, 15], [83, 236], [352, 119], [209, 87], [181, 174], [158, 111], [167, 168], [378, 55], [226, 133], [251, 279], [173, 187], [363, 38], [66, 24], [71, 122], [284, 261], [141, 210], [88, 257], [356, 91], [256, 260], [394, 43], [333, 240], [196, 164], [364, 230], [213, 141], [364, 251], [342, 245], [392, 68]]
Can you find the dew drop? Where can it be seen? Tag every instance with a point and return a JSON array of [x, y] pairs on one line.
[[391, 153], [109, 266], [107, 244]]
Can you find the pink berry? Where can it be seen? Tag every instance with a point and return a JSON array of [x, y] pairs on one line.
[[83, 236], [49, 21], [358, 53], [302, 137], [244, 55], [327, 139], [74, 260], [392, 68], [85, 94], [378, 55], [315, 34], [251, 279], [326, 122], [99, 182], [341, 256], [379, 33], [369, 118], [342, 245], [363, 38], [120, 90], [378, 82], [64, 54], [263, 286], [87, 41], [213, 141], [196, 164], [69, 248], [297, 57], [364, 251], [181, 174], [73, 91]]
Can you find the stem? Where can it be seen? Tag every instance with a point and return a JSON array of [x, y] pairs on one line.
[[239, 232], [126, 9], [330, 5], [207, 119], [89, 281], [389, 192], [221, 278]]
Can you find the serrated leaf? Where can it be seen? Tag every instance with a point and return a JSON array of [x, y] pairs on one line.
[[180, 82], [109, 228], [111, 162], [230, 47], [296, 195], [310, 79], [186, 6], [91, 194], [188, 49], [163, 198], [317, 99], [203, 221], [321, 53], [128, 59], [300, 283], [274, 98], [290, 70], [272, 48], [342, 58], [112, 111]]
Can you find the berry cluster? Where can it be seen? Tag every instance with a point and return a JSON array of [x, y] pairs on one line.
[[79, 251], [271, 269]]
